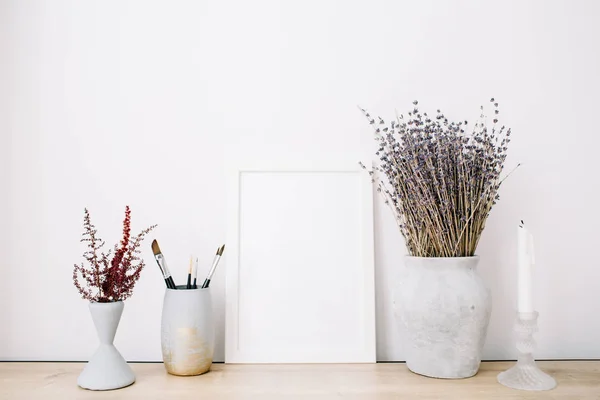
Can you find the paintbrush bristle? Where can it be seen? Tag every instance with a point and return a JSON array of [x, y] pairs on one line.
[[191, 265], [220, 251], [155, 248]]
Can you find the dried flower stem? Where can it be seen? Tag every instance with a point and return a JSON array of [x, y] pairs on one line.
[[107, 280], [440, 182]]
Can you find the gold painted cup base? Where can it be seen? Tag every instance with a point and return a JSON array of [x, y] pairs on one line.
[[185, 370], [188, 355]]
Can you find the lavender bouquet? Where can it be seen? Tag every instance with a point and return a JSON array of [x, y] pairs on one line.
[[439, 181]]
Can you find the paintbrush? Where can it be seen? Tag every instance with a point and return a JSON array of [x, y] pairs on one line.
[[189, 277], [214, 266], [195, 274], [162, 264]]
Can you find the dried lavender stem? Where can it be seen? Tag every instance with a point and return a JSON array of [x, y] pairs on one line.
[[442, 182]]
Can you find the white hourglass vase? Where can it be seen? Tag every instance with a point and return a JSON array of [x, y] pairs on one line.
[[107, 369]]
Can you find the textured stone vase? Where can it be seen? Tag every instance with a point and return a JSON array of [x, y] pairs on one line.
[[107, 369], [187, 331], [445, 309]]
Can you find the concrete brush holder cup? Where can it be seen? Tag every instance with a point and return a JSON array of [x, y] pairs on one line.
[[107, 369], [187, 331]]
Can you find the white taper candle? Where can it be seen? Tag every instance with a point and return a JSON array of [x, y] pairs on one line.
[[524, 270]]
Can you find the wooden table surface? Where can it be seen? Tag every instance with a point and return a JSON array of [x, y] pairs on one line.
[[30, 381]]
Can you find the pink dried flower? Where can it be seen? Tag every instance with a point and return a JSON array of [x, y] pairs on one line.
[[106, 280]]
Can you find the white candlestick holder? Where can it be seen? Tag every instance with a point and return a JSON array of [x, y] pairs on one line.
[[525, 374]]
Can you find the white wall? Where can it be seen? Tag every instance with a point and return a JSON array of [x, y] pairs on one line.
[[4, 155], [115, 103]]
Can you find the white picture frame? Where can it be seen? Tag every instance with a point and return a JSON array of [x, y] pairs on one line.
[[269, 318]]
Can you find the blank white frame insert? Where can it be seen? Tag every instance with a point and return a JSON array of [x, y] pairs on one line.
[[300, 266]]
